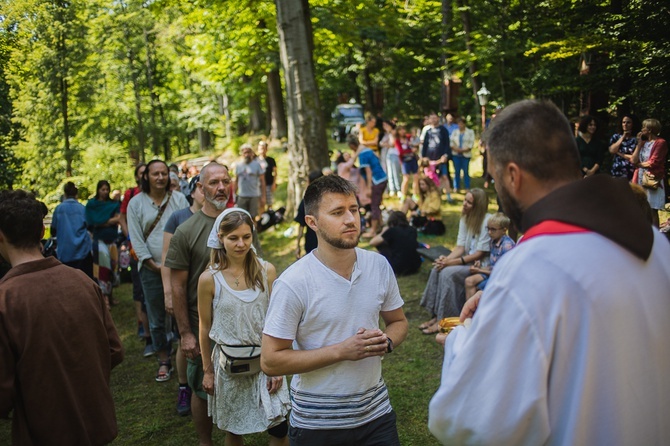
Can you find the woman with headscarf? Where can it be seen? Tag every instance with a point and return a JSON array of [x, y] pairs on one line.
[[233, 297]]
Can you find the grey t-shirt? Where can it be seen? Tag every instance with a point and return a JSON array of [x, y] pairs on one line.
[[248, 179]]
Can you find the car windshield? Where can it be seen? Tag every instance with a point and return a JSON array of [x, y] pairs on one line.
[[351, 112]]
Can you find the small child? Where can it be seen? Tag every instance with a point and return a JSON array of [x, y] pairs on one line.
[[497, 227]]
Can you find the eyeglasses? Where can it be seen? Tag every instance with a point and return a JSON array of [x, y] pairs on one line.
[[488, 228]]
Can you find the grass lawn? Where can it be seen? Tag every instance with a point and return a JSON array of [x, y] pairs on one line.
[[146, 409]]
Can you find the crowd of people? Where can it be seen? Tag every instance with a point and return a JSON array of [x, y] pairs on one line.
[[209, 306]]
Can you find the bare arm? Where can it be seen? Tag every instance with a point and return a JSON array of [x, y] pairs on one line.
[[396, 325], [278, 357], [179, 282], [123, 222], [378, 239], [205, 298], [165, 274]]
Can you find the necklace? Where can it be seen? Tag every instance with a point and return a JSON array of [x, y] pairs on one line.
[[348, 277], [237, 279]]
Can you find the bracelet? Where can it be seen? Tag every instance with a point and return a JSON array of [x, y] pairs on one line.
[[462, 261]]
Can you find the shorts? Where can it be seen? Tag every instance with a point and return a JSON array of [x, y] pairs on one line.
[[482, 284], [249, 204], [409, 167], [194, 375]]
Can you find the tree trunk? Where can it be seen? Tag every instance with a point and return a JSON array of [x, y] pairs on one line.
[[255, 115], [224, 110], [446, 75], [307, 142], [472, 64], [66, 127], [276, 105], [155, 138]]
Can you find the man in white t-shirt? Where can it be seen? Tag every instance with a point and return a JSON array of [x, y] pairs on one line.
[[323, 327]]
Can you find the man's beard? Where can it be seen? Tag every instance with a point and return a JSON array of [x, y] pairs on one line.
[[219, 205], [338, 242], [510, 206]]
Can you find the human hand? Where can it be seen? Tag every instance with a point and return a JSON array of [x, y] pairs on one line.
[[189, 346], [274, 383], [364, 344], [470, 306], [208, 382], [297, 252]]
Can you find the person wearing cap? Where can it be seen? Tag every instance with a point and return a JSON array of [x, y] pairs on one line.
[[187, 257], [250, 183], [196, 197], [68, 225]]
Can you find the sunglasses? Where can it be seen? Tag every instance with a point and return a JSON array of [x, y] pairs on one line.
[[488, 228]]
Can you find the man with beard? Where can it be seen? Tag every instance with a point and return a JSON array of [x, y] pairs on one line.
[[187, 257], [568, 343], [328, 335], [148, 212]]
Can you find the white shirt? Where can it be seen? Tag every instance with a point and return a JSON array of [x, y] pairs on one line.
[[472, 242], [569, 346], [316, 307], [142, 212]]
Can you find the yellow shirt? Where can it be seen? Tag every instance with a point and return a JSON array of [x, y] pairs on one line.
[[369, 136]]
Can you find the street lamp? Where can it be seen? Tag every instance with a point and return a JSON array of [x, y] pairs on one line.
[[483, 96]]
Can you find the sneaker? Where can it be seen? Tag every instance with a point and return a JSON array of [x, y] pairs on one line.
[[184, 401], [149, 350], [140, 330]]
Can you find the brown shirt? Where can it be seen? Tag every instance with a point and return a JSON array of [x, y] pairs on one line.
[[58, 345]]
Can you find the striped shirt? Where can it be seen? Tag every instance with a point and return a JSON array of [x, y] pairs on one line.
[[315, 307]]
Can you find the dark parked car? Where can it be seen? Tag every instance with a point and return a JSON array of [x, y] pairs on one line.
[[345, 118]]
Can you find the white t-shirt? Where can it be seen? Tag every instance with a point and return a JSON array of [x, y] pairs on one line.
[[316, 307], [569, 346], [475, 242]]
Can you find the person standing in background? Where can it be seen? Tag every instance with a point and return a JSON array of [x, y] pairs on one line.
[[68, 225], [269, 165]]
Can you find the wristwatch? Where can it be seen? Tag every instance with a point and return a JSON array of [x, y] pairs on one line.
[[389, 345]]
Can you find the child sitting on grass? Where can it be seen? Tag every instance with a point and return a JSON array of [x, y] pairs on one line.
[[497, 227]]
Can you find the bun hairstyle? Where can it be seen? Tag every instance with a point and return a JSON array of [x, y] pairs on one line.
[[144, 180]]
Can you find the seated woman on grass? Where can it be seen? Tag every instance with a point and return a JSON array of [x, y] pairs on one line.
[[444, 295], [497, 227], [397, 242]]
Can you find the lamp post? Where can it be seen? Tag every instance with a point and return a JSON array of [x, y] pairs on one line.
[[483, 96]]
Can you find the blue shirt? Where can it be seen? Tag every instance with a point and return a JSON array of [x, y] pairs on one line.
[[68, 224], [367, 158]]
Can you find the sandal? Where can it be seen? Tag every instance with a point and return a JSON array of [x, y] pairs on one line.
[[162, 376], [427, 324]]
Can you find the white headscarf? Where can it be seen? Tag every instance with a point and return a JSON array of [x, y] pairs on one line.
[[213, 239]]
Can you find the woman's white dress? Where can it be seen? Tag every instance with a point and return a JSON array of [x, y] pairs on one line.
[[241, 404]]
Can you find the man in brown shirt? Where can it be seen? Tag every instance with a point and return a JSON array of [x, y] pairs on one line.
[[58, 343]]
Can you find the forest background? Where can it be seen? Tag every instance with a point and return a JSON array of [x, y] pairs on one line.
[[90, 87]]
